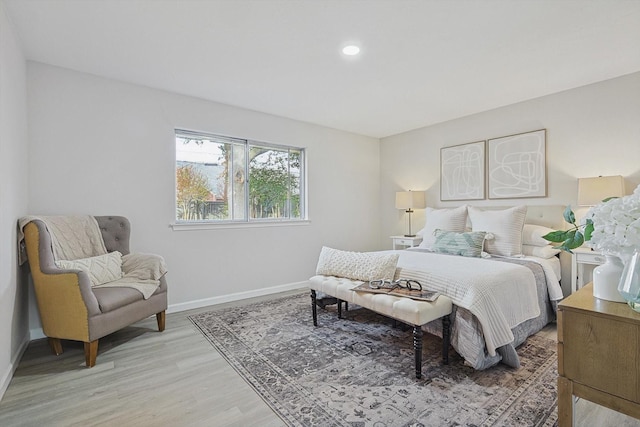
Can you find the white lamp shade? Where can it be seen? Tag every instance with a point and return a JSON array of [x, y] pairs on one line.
[[410, 200], [592, 191]]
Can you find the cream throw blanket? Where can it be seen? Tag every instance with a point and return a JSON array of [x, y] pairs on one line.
[[141, 272], [72, 237], [78, 237]]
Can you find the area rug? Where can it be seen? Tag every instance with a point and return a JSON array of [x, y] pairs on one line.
[[359, 371]]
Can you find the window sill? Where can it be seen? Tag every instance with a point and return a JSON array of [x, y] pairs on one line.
[[192, 226]]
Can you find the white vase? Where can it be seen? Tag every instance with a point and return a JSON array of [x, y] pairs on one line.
[[606, 278]]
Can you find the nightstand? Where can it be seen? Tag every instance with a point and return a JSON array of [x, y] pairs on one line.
[[583, 256], [408, 242], [598, 358]]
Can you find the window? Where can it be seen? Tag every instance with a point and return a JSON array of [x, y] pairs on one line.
[[222, 179]]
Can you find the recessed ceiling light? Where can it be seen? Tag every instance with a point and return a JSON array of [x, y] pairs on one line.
[[351, 50]]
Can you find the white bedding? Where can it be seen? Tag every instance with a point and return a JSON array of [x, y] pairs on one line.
[[554, 262], [500, 295]]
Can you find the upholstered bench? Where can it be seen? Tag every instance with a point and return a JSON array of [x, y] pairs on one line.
[[413, 312]]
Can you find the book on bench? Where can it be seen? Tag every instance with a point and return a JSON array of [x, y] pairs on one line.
[[399, 288]]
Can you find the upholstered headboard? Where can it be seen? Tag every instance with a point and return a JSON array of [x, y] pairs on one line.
[[548, 215]]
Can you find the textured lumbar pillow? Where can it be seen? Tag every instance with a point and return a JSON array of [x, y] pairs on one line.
[[466, 244], [506, 226], [357, 265], [101, 269], [442, 219]]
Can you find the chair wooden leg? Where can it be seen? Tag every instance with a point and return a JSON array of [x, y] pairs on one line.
[[160, 317], [56, 346], [90, 353]]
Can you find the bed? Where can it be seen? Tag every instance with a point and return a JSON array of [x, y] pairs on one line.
[[498, 302], [500, 297]]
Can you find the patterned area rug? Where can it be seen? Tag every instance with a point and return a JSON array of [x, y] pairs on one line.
[[359, 371]]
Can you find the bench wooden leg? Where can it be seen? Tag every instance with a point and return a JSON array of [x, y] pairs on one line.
[[314, 309], [90, 353], [446, 338], [339, 309], [417, 348]]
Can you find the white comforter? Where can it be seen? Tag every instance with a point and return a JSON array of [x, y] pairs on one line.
[[501, 295]]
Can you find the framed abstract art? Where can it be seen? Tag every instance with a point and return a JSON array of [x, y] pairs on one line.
[[517, 165], [462, 170]]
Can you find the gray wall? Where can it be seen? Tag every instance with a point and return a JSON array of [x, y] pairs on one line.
[[14, 334], [103, 147]]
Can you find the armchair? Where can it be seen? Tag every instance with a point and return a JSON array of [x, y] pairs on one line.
[[70, 308]]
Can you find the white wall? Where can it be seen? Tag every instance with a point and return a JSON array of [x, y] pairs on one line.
[[591, 131], [14, 334], [99, 146]]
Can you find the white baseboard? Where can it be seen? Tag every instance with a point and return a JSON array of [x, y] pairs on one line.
[[36, 334], [8, 374], [190, 305]]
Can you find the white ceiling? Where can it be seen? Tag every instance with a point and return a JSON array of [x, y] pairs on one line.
[[422, 62]]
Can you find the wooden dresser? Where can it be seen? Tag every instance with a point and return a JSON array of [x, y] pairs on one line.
[[598, 355]]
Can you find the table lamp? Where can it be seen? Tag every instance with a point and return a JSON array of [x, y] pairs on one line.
[[409, 200]]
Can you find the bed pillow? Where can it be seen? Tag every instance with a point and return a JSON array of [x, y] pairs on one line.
[[357, 265], [506, 226], [532, 235], [443, 219], [466, 244], [101, 269], [546, 252]]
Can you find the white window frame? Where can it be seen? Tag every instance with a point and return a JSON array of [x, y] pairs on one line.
[[247, 221]]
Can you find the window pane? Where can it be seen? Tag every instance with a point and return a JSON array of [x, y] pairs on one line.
[[269, 182], [201, 174]]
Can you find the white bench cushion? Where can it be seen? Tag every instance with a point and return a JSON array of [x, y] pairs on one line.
[[413, 312]]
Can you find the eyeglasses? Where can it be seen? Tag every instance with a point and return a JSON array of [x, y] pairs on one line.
[[412, 285]]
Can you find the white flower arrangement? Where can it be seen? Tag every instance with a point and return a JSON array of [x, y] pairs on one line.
[[612, 226], [616, 224]]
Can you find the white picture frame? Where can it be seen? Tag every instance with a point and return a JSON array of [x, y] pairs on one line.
[[462, 172], [517, 165]]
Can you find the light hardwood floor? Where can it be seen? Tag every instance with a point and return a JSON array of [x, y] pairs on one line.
[[146, 378]]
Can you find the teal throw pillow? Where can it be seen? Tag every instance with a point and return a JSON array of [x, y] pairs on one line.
[[466, 244]]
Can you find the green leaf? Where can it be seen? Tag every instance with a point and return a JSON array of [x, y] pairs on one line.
[[608, 198], [569, 216], [574, 241], [558, 236], [588, 230]]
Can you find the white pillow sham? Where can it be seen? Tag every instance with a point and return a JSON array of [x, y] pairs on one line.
[[506, 226], [540, 251], [532, 235], [101, 269], [357, 265], [454, 219]]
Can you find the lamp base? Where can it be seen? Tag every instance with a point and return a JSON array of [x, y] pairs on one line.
[[409, 235]]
